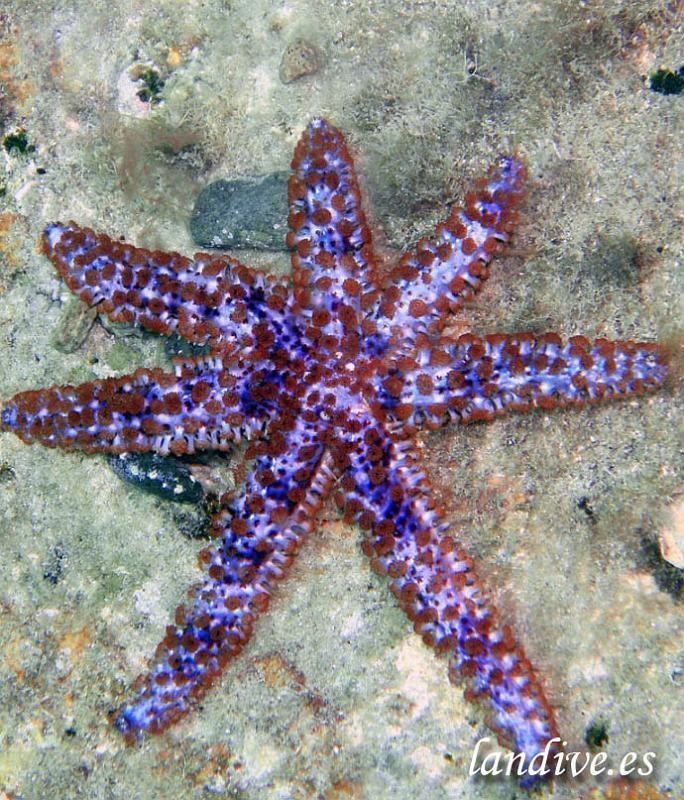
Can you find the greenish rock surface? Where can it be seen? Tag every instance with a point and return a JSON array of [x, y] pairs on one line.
[[245, 213], [74, 325]]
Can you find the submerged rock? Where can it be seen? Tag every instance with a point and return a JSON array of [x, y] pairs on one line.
[[74, 325], [300, 58], [242, 213], [165, 477]]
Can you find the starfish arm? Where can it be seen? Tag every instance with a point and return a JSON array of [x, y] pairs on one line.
[[208, 403], [259, 535], [475, 379], [435, 279], [385, 490], [333, 261], [208, 300]]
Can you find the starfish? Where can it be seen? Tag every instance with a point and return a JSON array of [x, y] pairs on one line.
[[329, 377]]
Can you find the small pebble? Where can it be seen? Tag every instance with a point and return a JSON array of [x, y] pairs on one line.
[[671, 538], [299, 59], [74, 325]]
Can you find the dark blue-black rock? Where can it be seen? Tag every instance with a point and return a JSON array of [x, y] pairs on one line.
[[163, 476]]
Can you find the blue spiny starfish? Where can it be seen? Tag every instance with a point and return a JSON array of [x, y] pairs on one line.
[[329, 378]]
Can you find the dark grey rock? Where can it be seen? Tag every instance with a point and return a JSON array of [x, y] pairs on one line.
[[164, 476], [245, 213]]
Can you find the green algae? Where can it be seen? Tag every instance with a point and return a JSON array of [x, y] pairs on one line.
[[596, 735], [120, 357], [17, 143], [153, 84], [665, 81]]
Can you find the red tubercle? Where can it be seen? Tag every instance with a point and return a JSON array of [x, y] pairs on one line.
[[468, 246]]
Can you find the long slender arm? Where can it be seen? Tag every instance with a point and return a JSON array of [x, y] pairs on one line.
[[206, 404], [333, 261], [258, 536], [208, 300], [385, 491], [475, 378], [434, 280]]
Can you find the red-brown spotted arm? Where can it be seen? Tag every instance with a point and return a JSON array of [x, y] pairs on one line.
[[385, 490], [333, 265], [473, 378], [434, 280], [207, 403], [206, 300], [258, 536]]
